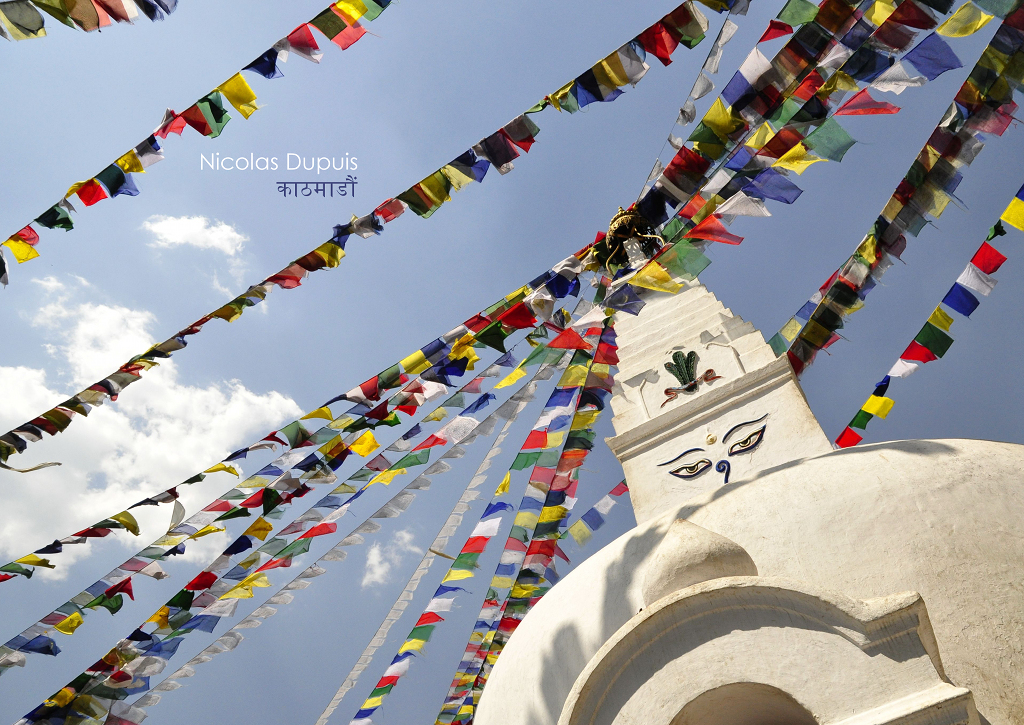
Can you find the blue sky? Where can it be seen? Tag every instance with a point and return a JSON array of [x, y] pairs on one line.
[[439, 78]]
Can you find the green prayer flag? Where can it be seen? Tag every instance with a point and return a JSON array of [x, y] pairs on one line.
[[295, 433], [112, 604], [55, 8], [934, 339], [13, 568], [995, 231], [707, 141], [235, 513], [548, 458], [861, 419], [389, 378], [798, 12], [181, 600], [415, 202], [778, 344], [273, 547], [519, 533], [329, 23], [525, 460], [271, 499], [381, 691], [786, 112], [830, 141], [363, 474], [465, 561], [456, 401], [546, 529], [212, 107], [56, 217], [493, 336], [422, 633], [372, 9], [413, 459], [299, 546], [195, 479], [684, 260]]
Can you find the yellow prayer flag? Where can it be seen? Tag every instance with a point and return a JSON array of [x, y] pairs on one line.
[[879, 406], [415, 363], [791, 329], [412, 645], [128, 521], [331, 253], [527, 519], [20, 32], [386, 477], [512, 378], [523, 591], [503, 486], [584, 420], [438, 414], [940, 319], [459, 180], [323, 412], [66, 694], [967, 20], [33, 560], [574, 376], [239, 94], [721, 120], [797, 159], [580, 533], [243, 590], [519, 294], [465, 710], [761, 136], [838, 81], [552, 513], [365, 444], [455, 575], [559, 96], [226, 467], [206, 531], [609, 71], [1014, 214], [160, 617], [130, 163], [892, 207], [22, 251], [259, 528], [372, 702], [879, 12], [69, 624], [350, 10], [342, 423], [869, 249], [554, 440], [656, 277], [344, 488], [501, 582]]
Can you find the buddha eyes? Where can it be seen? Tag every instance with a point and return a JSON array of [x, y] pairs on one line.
[[692, 470], [749, 443]]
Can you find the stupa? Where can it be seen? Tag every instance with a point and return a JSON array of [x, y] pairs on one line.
[[770, 579]]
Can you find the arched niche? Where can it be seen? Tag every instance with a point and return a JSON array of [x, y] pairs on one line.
[[744, 703]]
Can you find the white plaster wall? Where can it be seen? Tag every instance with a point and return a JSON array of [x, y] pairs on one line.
[[944, 518]]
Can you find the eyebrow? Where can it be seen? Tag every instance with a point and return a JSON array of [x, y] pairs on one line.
[[685, 453], [737, 427]]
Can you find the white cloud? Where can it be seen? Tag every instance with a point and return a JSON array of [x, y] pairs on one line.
[[159, 432], [197, 231], [380, 559]]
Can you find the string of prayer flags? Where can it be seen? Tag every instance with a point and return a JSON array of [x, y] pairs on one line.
[[983, 106], [21, 19], [593, 519], [532, 544], [395, 507], [932, 342]]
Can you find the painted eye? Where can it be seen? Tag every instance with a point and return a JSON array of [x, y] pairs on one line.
[[749, 443], [692, 470]]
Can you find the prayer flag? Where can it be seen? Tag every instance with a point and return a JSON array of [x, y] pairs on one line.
[[967, 20], [934, 339], [977, 281], [239, 94], [878, 406], [932, 57], [960, 299], [987, 258], [848, 438], [862, 104], [775, 29]]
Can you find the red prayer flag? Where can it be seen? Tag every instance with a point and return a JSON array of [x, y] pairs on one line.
[[561, 554], [713, 230], [987, 258], [194, 117], [425, 618], [320, 530], [695, 204], [253, 501], [390, 210], [430, 442], [569, 339], [125, 585], [606, 354], [27, 235], [347, 37], [91, 192], [912, 16], [657, 41], [174, 124], [203, 581], [848, 438], [916, 352], [380, 412], [475, 545], [862, 104], [515, 545], [276, 564], [776, 29], [536, 439], [809, 86], [518, 317], [619, 490], [303, 38], [5, 577], [477, 323], [90, 533]]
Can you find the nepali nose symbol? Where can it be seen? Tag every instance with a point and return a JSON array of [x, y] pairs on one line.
[[723, 467]]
